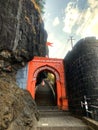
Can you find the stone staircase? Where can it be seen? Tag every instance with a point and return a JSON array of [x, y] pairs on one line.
[[52, 111], [51, 118]]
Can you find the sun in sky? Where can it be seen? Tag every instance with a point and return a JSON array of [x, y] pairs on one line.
[[68, 21]]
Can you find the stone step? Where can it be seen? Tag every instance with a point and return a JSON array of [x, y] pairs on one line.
[[52, 111], [61, 123], [51, 118], [64, 128]]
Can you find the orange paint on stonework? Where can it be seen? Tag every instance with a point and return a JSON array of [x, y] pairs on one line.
[[55, 66]]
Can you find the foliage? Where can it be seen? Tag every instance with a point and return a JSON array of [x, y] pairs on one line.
[[41, 4], [51, 77]]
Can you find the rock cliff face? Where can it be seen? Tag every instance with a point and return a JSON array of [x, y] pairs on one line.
[[22, 36], [22, 33]]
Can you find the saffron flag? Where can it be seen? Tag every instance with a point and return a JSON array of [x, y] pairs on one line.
[[49, 44]]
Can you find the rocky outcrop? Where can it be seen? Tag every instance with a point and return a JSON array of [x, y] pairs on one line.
[[22, 36], [18, 110], [22, 33]]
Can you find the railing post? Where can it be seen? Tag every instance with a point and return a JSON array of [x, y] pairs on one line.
[[85, 103]]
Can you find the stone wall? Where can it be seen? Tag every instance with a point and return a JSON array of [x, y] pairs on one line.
[[81, 65]]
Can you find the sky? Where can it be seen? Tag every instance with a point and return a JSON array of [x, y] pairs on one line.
[[66, 19]]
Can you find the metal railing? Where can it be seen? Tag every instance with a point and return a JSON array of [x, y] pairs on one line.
[[90, 109], [94, 113]]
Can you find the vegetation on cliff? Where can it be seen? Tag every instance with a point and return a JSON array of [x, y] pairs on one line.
[[41, 4]]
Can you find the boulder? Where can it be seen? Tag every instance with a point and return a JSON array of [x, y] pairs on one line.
[[18, 110]]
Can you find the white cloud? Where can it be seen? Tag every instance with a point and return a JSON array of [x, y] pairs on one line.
[[58, 50], [89, 20], [86, 21], [71, 16], [92, 29], [93, 3], [56, 21]]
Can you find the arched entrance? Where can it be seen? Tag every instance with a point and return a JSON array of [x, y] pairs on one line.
[[46, 92], [55, 66], [46, 89]]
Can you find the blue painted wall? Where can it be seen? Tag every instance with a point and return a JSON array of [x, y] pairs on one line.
[[21, 77]]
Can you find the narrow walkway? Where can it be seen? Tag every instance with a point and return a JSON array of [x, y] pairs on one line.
[[60, 122]]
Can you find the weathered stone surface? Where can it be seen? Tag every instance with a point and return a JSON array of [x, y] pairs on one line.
[[22, 33], [17, 108], [81, 65], [22, 36]]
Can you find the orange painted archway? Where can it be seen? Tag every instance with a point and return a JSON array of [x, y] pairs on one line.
[[55, 66]]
